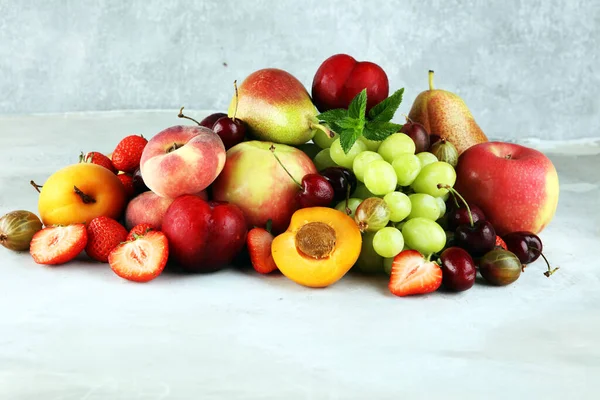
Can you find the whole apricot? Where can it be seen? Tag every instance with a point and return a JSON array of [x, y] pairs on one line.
[[79, 193]]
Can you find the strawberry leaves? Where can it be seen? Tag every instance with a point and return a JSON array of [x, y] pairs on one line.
[[353, 123]]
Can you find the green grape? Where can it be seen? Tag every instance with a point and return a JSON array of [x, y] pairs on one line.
[[322, 140], [442, 205], [445, 196], [362, 192], [369, 262], [372, 215], [424, 206], [433, 174], [424, 235], [394, 145], [388, 242], [372, 145], [353, 204], [399, 205], [407, 167], [426, 158], [361, 161], [310, 149], [380, 177], [323, 160], [342, 159], [400, 224]]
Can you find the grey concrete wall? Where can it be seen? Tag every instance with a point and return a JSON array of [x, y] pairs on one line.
[[526, 68]]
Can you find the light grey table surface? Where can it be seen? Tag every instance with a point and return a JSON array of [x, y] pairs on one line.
[[79, 332]]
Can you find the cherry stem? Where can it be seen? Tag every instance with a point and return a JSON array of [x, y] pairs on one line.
[[430, 80], [36, 186], [348, 210], [550, 270], [407, 118], [453, 191], [323, 128], [86, 198], [272, 148], [237, 99], [180, 115]]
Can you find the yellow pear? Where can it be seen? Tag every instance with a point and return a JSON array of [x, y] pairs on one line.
[[445, 114]]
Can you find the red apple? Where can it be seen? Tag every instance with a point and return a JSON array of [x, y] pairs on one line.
[[203, 236], [515, 186], [182, 160], [253, 180], [340, 78]]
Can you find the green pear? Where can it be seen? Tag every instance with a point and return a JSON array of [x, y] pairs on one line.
[[276, 107], [445, 114]]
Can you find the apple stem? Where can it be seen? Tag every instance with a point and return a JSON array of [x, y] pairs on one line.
[[180, 115], [430, 80], [237, 99], [454, 191], [272, 148], [86, 198], [35, 186], [316, 125]]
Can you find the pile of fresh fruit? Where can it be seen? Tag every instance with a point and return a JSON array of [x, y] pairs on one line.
[[307, 185]]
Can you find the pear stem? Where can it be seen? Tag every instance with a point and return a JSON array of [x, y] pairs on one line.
[[237, 99], [454, 191], [180, 115], [35, 186], [430, 80], [328, 132], [272, 148]]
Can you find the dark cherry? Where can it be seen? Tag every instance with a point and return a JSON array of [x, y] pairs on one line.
[[528, 247], [418, 134], [477, 239], [209, 121], [340, 178], [138, 182], [458, 269], [460, 215], [315, 191], [231, 131]]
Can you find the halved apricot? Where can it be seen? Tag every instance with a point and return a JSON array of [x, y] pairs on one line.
[[319, 247]]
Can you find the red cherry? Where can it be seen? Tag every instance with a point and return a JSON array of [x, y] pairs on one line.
[[209, 121], [315, 191], [231, 131], [458, 269], [340, 78], [460, 216]]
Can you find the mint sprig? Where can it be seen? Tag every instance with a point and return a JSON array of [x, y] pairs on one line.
[[353, 123]]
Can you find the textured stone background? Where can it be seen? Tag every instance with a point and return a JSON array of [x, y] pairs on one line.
[[525, 68]]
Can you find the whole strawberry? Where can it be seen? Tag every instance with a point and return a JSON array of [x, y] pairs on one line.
[[104, 234], [95, 157], [127, 181], [128, 153], [500, 243]]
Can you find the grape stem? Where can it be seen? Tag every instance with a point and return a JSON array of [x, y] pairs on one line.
[[272, 148], [180, 115], [454, 191]]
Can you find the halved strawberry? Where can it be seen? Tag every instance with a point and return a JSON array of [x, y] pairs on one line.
[[500, 243], [58, 244], [412, 274], [139, 230], [259, 242], [141, 259]]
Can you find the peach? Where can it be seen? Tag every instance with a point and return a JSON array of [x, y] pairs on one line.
[[182, 160], [146, 208], [254, 181], [79, 193]]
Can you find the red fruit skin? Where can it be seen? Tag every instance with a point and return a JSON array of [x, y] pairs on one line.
[[104, 234], [139, 230], [316, 192], [128, 153], [516, 187], [204, 236], [258, 242], [500, 243], [210, 120], [340, 78], [458, 269], [127, 181], [98, 158]]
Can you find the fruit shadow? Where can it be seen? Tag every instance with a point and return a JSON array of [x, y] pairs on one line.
[[377, 281]]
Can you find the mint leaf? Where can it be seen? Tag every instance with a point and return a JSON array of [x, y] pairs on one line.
[[379, 130], [385, 110], [348, 138], [348, 123], [358, 105], [331, 116]]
